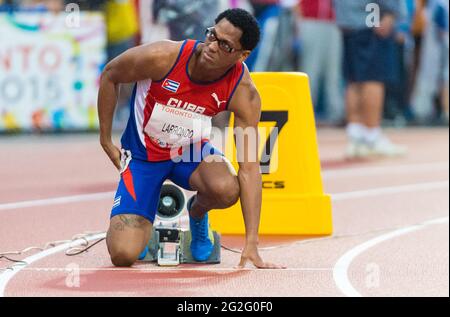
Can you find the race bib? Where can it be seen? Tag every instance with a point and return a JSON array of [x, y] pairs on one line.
[[172, 127]]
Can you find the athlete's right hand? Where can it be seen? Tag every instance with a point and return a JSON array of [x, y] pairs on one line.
[[387, 25], [113, 153]]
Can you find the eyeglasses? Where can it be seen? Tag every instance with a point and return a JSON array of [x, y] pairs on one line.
[[211, 36]]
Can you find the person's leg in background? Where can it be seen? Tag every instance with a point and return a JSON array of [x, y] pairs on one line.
[[413, 28], [268, 38], [426, 87], [313, 54], [353, 102], [354, 129], [284, 55], [333, 79], [441, 19], [418, 27], [445, 81], [126, 90], [403, 101], [372, 101], [267, 16], [445, 105], [417, 53], [367, 65], [394, 92], [380, 69]]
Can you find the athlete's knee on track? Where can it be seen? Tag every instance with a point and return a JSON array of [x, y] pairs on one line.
[[123, 256], [126, 238]]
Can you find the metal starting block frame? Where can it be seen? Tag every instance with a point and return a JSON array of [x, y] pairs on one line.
[[170, 246]]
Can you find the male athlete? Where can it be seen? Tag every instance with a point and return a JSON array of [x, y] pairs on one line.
[[177, 83]]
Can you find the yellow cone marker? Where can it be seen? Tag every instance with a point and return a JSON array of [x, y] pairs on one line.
[[293, 199]]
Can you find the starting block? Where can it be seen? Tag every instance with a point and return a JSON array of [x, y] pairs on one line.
[[170, 246], [170, 242]]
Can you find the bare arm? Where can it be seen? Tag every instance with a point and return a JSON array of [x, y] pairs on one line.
[[150, 61], [247, 116], [246, 105]]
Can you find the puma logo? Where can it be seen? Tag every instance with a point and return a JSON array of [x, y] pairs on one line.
[[216, 98]]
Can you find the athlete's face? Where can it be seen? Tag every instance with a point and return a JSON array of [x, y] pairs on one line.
[[222, 47]]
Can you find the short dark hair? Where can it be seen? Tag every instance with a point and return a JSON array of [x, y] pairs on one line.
[[245, 21]]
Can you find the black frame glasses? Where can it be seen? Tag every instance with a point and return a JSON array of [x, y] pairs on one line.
[[211, 36]]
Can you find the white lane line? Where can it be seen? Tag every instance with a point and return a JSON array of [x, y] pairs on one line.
[[172, 269], [7, 275], [340, 270], [335, 197], [57, 201], [390, 170], [389, 190], [330, 174]]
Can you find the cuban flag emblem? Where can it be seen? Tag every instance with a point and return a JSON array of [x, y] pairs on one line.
[[171, 85]]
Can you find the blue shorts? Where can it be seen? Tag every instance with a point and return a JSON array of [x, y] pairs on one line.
[[140, 183], [368, 57]]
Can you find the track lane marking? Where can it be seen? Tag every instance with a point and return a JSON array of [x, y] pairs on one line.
[[340, 270]]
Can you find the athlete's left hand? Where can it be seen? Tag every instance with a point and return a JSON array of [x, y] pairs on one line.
[[250, 253]]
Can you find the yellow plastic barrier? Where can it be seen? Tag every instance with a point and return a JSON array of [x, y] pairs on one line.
[[293, 199]]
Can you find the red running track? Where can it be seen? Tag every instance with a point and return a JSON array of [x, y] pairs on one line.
[[391, 231]]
